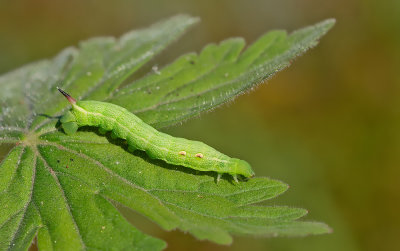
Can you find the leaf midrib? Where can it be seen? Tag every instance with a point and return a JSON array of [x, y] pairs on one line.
[[55, 177], [212, 70], [30, 197]]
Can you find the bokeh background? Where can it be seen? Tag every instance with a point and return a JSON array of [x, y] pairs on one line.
[[328, 125]]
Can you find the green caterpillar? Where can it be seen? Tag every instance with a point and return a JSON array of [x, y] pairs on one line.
[[158, 145]]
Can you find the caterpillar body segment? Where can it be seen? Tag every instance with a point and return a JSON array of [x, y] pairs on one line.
[[139, 135]]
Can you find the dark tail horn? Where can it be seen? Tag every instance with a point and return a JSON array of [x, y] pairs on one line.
[[70, 99]]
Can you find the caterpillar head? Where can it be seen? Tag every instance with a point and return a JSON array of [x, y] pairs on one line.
[[243, 168], [68, 121]]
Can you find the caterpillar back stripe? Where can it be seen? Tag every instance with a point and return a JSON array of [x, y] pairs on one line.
[[157, 145]]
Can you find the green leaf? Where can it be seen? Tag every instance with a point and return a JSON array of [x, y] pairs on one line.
[[194, 83], [62, 189]]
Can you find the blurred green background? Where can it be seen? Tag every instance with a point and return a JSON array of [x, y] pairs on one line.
[[328, 125]]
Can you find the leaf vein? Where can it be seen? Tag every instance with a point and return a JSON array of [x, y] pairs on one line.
[[15, 169], [14, 235], [64, 197], [199, 77]]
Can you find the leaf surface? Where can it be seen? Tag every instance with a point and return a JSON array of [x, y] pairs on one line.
[[63, 189]]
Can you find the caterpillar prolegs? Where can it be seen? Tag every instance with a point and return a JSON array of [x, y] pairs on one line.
[[157, 145]]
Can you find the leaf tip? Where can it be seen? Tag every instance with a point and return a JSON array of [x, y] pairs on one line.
[[330, 21], [190, 20], [327, 24], [323, 228]]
